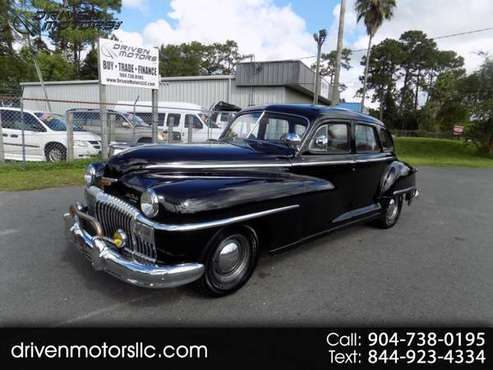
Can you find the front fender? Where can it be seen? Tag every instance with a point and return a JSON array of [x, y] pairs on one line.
[[191, 194]]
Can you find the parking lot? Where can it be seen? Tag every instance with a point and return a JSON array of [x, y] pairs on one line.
[[435, 267]]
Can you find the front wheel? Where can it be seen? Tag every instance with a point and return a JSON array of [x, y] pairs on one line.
[[55, 152], [229, 262], [391, 213]]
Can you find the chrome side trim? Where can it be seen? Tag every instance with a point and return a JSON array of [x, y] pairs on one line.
[[357, 213], [223, 222], [402, 191], [374, 159], [178, 165], [304, 164]]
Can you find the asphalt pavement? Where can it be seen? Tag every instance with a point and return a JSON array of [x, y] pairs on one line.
[[434, 268]]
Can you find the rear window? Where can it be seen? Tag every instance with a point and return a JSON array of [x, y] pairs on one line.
[[386, 139]]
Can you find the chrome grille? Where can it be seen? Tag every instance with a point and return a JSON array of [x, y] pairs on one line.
[[114, 214]]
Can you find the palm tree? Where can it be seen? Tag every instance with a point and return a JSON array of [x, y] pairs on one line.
[[373, 13]]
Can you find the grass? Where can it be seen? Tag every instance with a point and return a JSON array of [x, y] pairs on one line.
[[420, 151], [15, 176]]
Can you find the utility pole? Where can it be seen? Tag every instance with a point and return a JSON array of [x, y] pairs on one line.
[[34, 54], [340, 40], [319, 39]]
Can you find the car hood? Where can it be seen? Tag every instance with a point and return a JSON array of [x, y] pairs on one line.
[[180, 158], [86, 136]]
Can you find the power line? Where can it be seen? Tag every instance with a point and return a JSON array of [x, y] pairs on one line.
[[434, 38]]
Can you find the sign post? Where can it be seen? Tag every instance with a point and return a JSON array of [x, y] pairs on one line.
[[122, 64], [155, 93]]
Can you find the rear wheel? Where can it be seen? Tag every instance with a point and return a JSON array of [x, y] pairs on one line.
[[229, 262], [55, 152], [391, 212]]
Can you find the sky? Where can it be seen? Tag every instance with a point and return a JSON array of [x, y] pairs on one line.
[[282, 29]]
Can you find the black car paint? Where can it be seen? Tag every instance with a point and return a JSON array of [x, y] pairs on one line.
[[198, 183]]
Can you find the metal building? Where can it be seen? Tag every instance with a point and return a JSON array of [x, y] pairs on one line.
[[254, 83]]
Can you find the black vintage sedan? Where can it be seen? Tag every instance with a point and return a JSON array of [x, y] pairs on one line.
[[167, 215]]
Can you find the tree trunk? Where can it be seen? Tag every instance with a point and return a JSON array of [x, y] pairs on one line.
[[381, 106], [404, 90], [366, 73], [417, 91]]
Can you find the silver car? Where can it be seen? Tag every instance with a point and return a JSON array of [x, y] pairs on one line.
[[123, 127]]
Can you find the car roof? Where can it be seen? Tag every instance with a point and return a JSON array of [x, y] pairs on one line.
[[17, 109], [313, 112]]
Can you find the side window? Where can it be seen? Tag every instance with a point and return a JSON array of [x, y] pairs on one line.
[[78, 118], [11, 119], [276, 129], [366, 140], [191, 119], [214, 116], [147, 117], [121, 122], [332, 139], [225, 117], [88, 118], [173, 119], [386, 139], [31, 123]]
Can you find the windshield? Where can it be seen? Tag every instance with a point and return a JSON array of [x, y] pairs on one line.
[[136, 120], [265, 126], [56, 122]]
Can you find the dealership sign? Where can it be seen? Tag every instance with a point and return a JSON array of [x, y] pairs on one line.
[[122, 64]]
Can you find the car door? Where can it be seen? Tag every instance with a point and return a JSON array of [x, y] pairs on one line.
[[199, 133], [371, 161], [34, 136], [11, 132], [328, 156], [173, 122]]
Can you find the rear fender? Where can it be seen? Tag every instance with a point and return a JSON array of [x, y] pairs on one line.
[[398, 178]]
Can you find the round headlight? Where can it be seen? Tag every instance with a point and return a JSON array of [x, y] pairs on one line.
[[149, 203], [90, 175]]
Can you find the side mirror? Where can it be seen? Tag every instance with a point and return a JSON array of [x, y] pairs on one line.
[[321, 140], [293, 140]]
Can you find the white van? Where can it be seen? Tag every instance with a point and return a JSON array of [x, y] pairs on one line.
[[45, 137], [178, 114]]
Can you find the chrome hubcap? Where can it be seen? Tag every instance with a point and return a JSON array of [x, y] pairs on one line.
[[55, 155], [228, 258], [231, 260], [392, 211]]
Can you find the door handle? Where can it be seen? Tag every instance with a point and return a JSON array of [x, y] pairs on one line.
[[14, 135], [5, 135]]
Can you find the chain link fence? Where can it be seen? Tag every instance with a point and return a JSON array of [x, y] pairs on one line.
[[36, 129]]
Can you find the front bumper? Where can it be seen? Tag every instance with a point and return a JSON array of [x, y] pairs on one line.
[[104, 257]]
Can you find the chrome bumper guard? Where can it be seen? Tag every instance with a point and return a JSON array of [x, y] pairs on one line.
[[104, 257]]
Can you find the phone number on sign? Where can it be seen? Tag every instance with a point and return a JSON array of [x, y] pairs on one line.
[[421, 356], [427, 339]]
